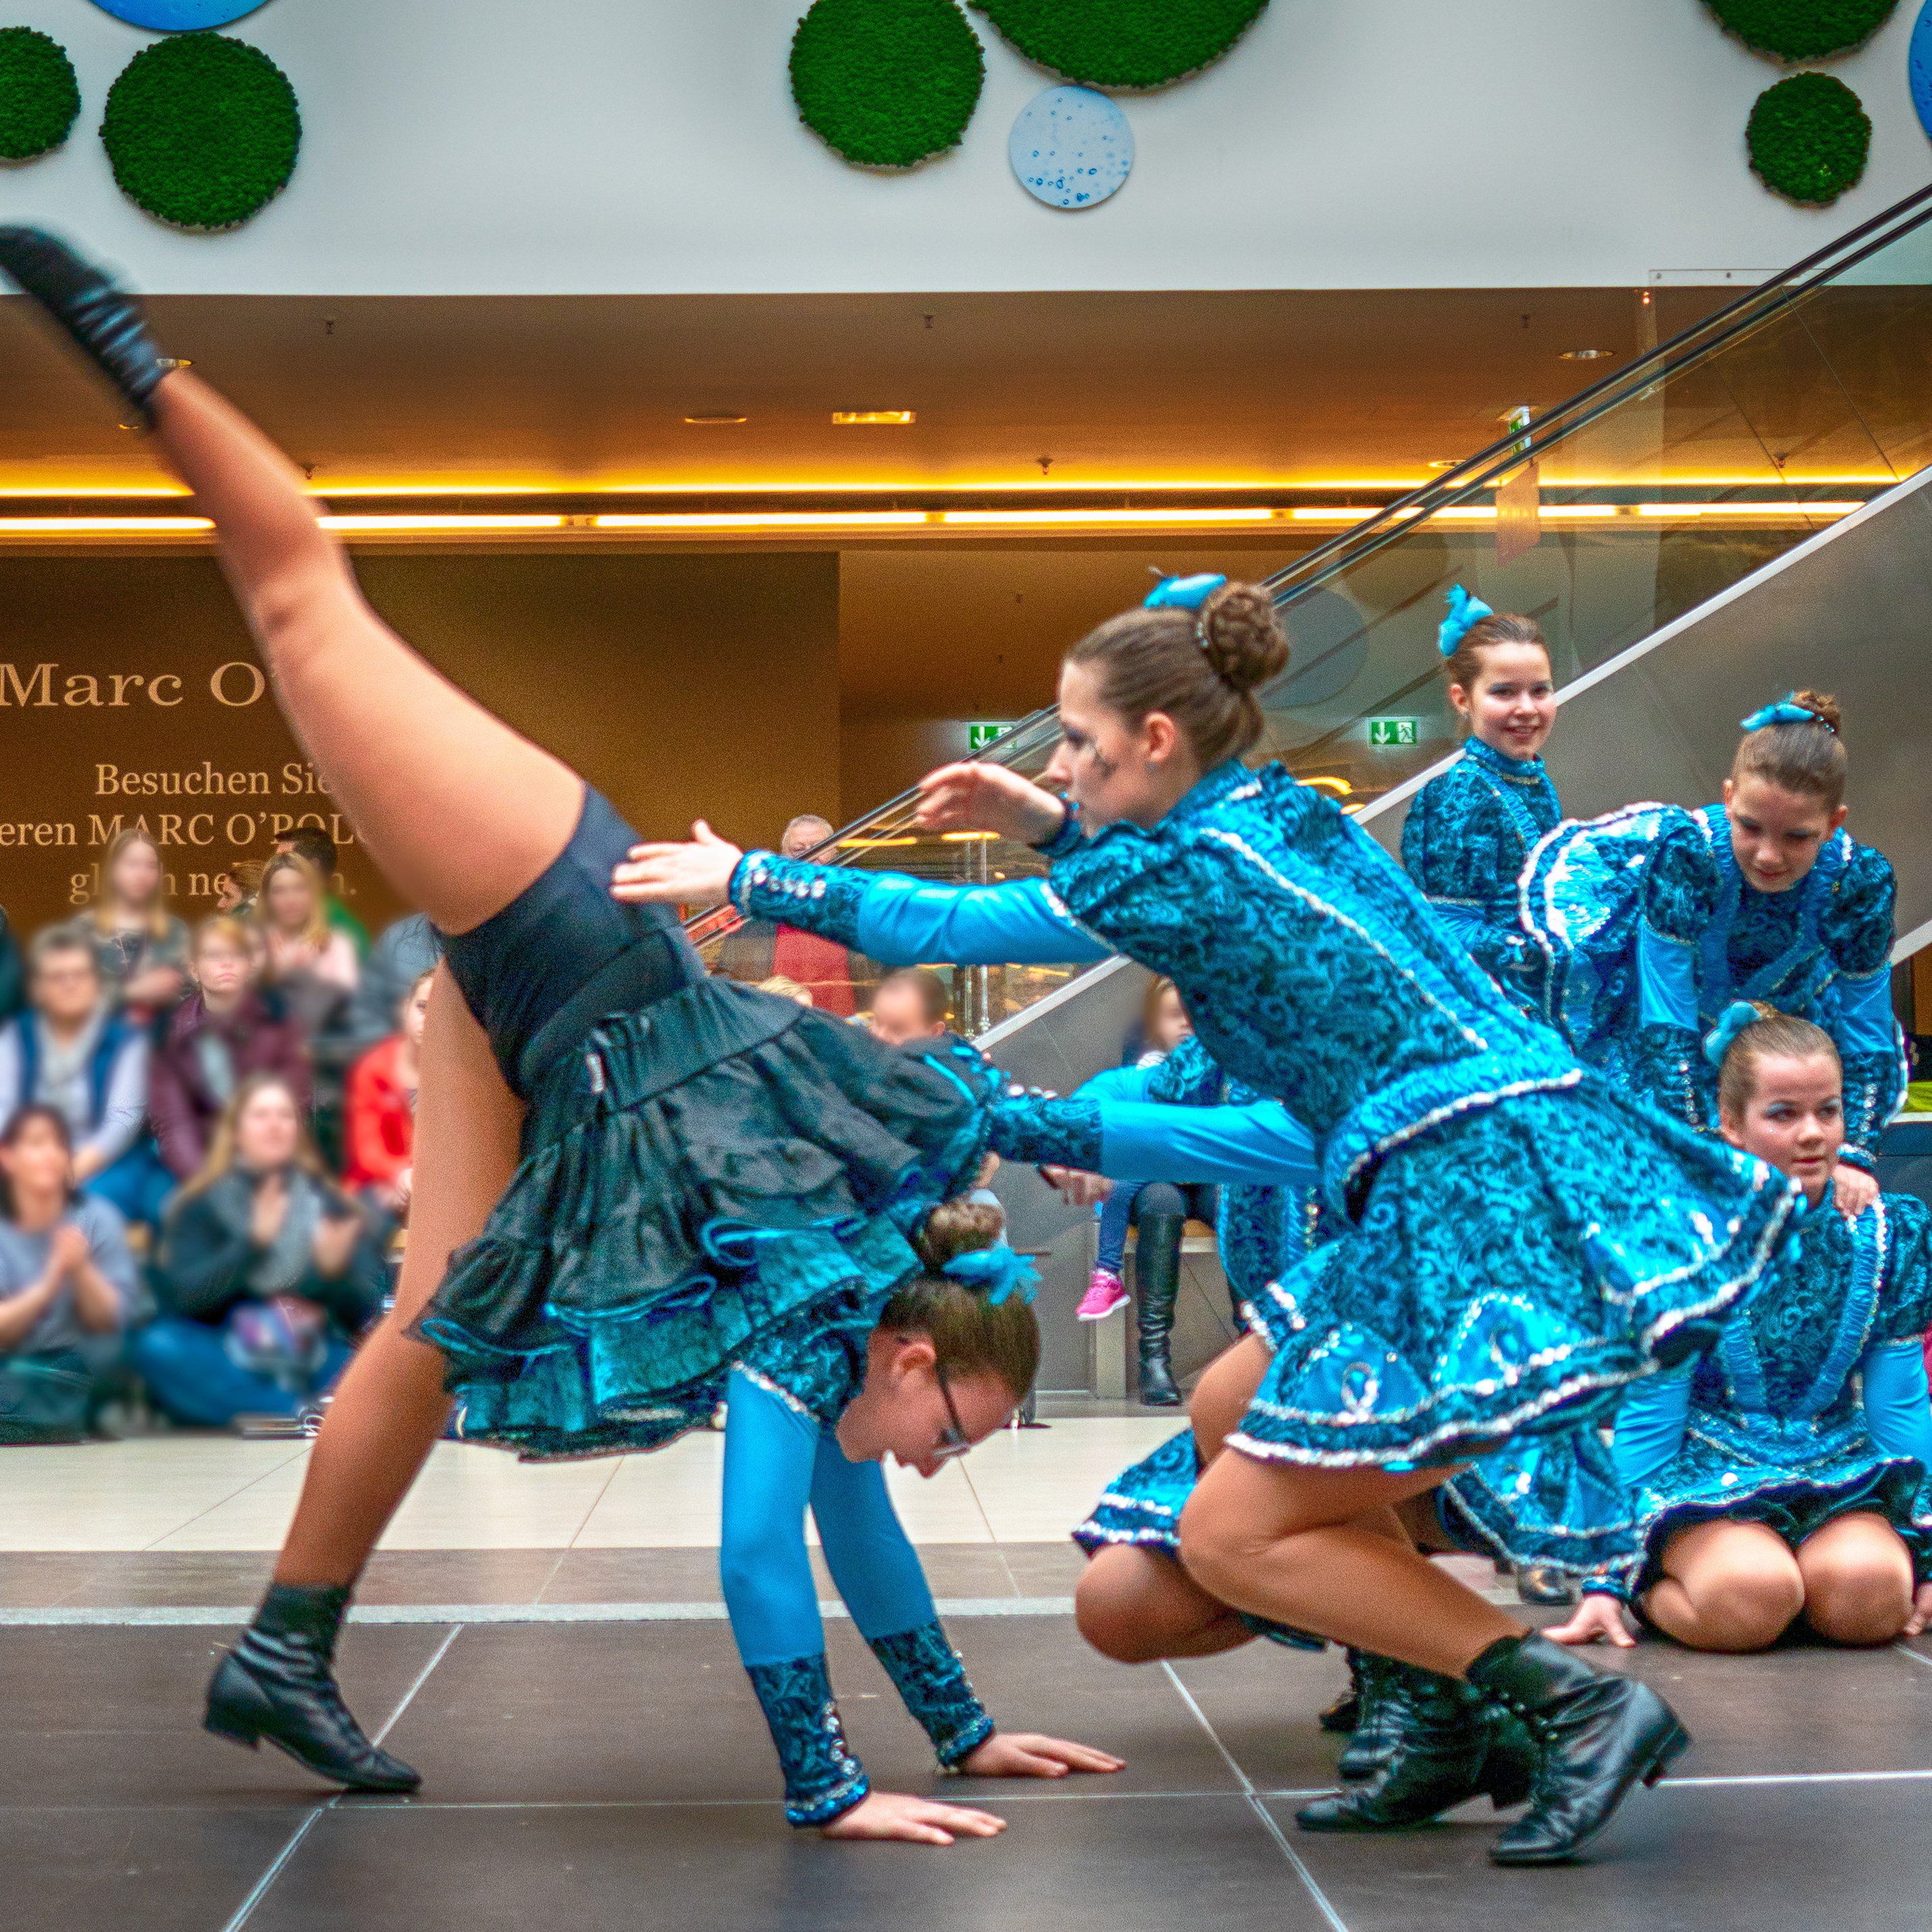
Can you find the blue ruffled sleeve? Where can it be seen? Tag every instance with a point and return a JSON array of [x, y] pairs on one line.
[[1857, 929], [1898, 1400], [1905, 1304], [1680, 897], [901, 921], [1261, 1143]]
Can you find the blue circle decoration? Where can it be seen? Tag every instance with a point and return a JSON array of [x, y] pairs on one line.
[[178, 17], [1919, 66], [1073, 147]]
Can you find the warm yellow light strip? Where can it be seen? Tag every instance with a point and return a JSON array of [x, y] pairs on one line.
[[773, 520], [77, 526], [871, 844], [1747, 509], [402, 526], [965, 838], [1147, 519]]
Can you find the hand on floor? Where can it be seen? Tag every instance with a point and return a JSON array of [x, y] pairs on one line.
[[1597, 1616], [914, 1821], [1027, 1754], [1922, 1611]]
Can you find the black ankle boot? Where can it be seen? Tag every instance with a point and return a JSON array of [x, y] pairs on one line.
[[1380, 1723], [1544, 1583], [1597, 1735], [1451, 1744], [1157, 1282], [1345, 1714], [277, 1684], [107, 325]]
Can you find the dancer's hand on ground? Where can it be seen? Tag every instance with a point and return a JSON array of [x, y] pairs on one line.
[[1597, 1616], [977, 797], [1853, 1190], [1922, 1611], [913, 1821], [697, 874], [1076, 1187], [1027, 1754]]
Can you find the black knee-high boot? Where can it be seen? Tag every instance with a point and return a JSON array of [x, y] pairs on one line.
[[279, 1683], [1345, 1714], [1157, 1282], [1451, 1744], [1597, 1736], [1383, 1688]]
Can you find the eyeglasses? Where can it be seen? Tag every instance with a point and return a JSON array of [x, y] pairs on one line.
[[953, 1439]]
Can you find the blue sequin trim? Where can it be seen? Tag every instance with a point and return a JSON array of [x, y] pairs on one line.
[[931, 1677], [823, 1780]]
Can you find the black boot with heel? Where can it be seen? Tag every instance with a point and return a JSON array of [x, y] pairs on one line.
[[278, 1684], [1598, 1735], [1157, 1285]]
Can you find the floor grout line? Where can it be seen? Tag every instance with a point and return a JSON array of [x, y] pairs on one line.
[[265, 1882], [155, 1548], [1268, 1821], [616, 1467]]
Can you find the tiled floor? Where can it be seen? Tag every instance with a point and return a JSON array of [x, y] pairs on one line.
[[596, 1760]]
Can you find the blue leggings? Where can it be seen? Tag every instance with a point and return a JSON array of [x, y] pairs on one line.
[[776, 1461]]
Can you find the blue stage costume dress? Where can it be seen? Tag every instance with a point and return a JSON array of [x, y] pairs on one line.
[[1650, 932], [1467, 837], [1524, 1238]]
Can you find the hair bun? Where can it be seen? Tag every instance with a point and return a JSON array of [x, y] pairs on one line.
[[1821, 704], [1242, 635]]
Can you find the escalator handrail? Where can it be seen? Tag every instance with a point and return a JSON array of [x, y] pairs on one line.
[[1380, 527]]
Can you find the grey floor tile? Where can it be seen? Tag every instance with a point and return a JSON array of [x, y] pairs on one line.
[[635, 1577], [34, 1579], [211, 1576], [456, 1575]]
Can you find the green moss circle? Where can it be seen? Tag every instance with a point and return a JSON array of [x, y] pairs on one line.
[[886, 83], [1123, 43], [40, 95], [1809, 137], [202, 131], [1801, 30]]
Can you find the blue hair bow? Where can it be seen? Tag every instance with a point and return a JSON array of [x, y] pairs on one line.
[[1183, 593], [1734, 1019], [1784, 711], [1465, 613], [1000, 1271]]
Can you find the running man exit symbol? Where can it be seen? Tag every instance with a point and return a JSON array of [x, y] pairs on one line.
[[1393, 730], [979, 737]]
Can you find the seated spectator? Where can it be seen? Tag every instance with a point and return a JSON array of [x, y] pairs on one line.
[[403, 953], [231, 1026], [140, 947], [910, 1004], [786, 989], [312, 843], [759, 949], [13, 981], [268, 1275], [382, 1109], [67, 1284], [315, 967], [75, 1051]]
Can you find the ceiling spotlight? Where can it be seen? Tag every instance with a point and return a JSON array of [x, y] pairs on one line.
[[876, 419], [715, 419], [1584, 354], [1445, 463]]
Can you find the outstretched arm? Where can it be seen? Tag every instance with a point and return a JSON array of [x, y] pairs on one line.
[[1260, 1144]]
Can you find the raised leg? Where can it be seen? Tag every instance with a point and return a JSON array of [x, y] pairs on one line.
[[1727, 1586]]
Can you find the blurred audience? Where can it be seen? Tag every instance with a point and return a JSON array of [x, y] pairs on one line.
[[76, 1052], [268, 1275], [140, 947], [400, 956], [760, 950], [229, 1026], [912, 1003], [66, 1284], [786, 989], [314, 966], [382, 1114], [312, 843], [13, 980]]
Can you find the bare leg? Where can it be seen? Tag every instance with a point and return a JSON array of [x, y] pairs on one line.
[[1139, 1606], [460, 812], [1284, 1542], [1858, 1580], [1222, 1396], [390, 1408], [1727, 1585]]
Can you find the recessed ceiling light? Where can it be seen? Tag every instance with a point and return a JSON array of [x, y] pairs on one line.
[[714, 419], [1584, 354], [874, 417], [1445, 463]]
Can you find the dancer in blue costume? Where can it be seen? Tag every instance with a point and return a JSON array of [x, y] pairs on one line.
[[1526, 1240], [635, 1187], [1785, 1476], [1471, 829], [1655, 919]]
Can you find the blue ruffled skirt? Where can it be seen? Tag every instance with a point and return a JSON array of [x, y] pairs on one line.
[[1509, 1270], [723, 1177]]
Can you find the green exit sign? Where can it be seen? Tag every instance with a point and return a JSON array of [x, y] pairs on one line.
[[1394, 731], [979, 737]]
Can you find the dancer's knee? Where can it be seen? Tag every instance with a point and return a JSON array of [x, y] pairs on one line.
[[1860, 1594], [1745, 1603], [1128, 1610], [1220, 1546]]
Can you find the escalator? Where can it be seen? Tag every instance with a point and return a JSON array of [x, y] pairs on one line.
[[1744, 510]]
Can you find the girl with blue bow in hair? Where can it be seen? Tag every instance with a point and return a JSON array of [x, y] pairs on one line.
[[1522, 1240], [1655, 919], [1785, 1476], [637, 1189], [1470, 828]]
